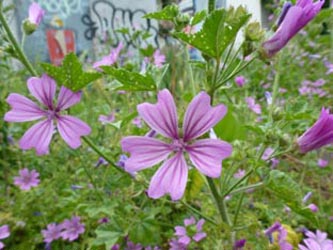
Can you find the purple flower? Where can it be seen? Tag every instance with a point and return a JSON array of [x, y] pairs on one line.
[[176, 245], [313, 208], [104, 220], [122, 159], [53, 232], [205, 154], [256, 108], [329, 67], [281, 237], [36, 13], [39, 135], [132, 246], [316, 241], [137, 122], [319, 135], [109, 59], [266, 156], [307, 197], [240, 81], [185, 236], [322, 163], [27, 179], [293, 19], [239, 244], [4, 233], [115, 247], [101, 161], [239, 174], [104, 119], [72, 228], [159, 58]]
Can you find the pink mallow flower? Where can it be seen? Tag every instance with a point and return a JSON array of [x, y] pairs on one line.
[[240, 81], [322, 163], [36, 13], [191, 231], [281, 236], [205, 154], [293, 18], [39, 135], [27, 179], [109, 59], [52, 232], [159, 58], [251, 103], [316, 241], [4, 233], [72, 228], [319, 135]]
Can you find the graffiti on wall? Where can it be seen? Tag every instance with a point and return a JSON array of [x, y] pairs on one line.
[[106, 17]]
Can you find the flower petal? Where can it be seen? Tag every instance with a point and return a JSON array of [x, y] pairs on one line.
[[67, 98], [38, 136], [200, 116], [199, 236], [23, 109], [4, 232], [71, 129], [180, 231], [43, 89], [145, 152], [162, 116], [207, 155], [170, 178]]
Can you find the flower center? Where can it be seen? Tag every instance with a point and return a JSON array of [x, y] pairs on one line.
[[51, 114], [178, 145]]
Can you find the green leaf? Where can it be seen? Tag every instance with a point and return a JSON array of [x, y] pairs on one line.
[[198, 17], [107, 238], [148, 51], [284, 187], [145, 232], [305, 212], [194, 185], [131, 81], [220, 28], [70, 74], [167, 13], [229, 128]]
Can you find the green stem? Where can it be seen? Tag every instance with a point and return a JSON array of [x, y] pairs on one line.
[[219, 201], [245, 188], [275, 87], [211, 5], [198, 212], [23, 40], [17, 47], [190, 71], [92, 181], [237, 183], [100, 153]]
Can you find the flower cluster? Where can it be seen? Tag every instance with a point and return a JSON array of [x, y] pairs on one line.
[[313, 88]]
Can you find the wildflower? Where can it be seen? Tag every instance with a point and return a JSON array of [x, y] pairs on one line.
[[188, 233], [269, 98], [159, 58], [239, 244], [316, 241], [4, 233], [281, 239], [53, 232], [322, 163], [122, 159], [27, 179], [104, 220], [292, 20], [115, 247], [109, 59], [266, 156], [256, 108], [313, 208], [104, 119], [329, 67], [36, 13], [176, 245], [132, 246], [240, 81], [101, 161], [39, 135], [319, 135], [72, 228], [137, 122], [205, 154], [307, 197]]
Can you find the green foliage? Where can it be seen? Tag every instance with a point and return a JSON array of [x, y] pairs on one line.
[[131, 81], [70, 74], [168, 13], [219, 30], [194, 184], [198, 17]]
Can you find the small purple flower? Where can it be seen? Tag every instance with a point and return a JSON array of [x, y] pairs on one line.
[[185, 236], [36, 13], [307, 197], [104, 220], [137, 122], [281, 238], [72, 228], [269, 98], [122, 159], [322, 163], [39, 135], [132, 246], [205, 154], [115, 247], [101, 161], [104, 119], [240, 244], [319, 135], [176, 245], [52, 232], [293, 19], [239, 174], [27, 179], [266, 156], [313, 207], [159, 58], [329, 67], [256, 108], [109, 59], [4, 233], [240, 81]]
